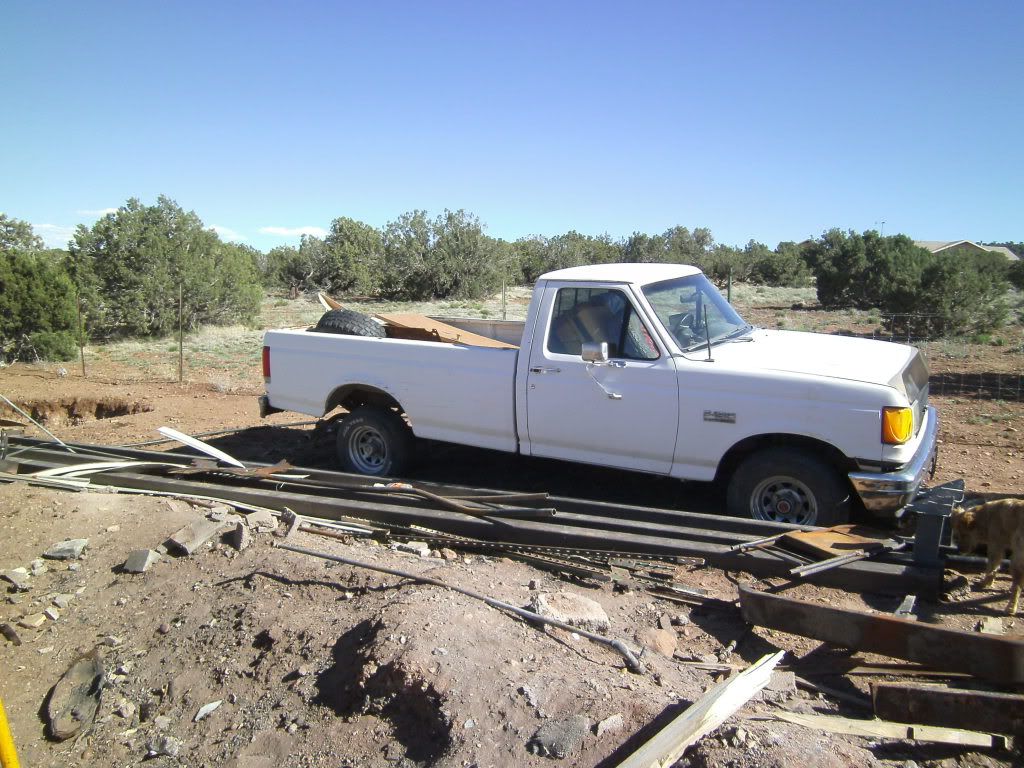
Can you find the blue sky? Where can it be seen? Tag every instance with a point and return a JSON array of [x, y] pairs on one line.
[[760, 120]]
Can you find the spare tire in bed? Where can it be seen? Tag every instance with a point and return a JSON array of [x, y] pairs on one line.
[[349, 323]]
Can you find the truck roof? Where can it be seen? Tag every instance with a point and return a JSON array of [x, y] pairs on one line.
[[640, 274]]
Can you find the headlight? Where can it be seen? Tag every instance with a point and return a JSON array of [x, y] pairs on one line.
[[897, 425]]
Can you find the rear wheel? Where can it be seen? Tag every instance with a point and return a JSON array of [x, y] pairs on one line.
[[788, 486], [375, 441]]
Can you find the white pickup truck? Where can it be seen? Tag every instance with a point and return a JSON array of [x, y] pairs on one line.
[[643, 367]]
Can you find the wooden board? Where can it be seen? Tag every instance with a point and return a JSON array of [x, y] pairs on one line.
[[838, 540], [426, 329]]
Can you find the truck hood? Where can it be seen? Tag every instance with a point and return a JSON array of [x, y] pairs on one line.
[[816, 354]]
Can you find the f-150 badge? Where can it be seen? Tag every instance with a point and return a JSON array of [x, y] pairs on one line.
[[720, 416]]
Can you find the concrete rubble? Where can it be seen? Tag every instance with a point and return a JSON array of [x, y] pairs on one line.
[[571, 608], [141, 560], [69, 549]]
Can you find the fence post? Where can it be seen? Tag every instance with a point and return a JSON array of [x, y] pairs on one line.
[[181, 341], [81, 335]]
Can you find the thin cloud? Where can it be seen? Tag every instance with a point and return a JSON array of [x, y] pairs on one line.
[[294, 231], [54, 235], [97, 213], [227, 233]]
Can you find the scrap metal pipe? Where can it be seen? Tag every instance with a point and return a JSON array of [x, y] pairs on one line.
[[632, 662]]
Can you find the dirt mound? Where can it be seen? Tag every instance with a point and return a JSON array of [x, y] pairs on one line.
[[72, 411]]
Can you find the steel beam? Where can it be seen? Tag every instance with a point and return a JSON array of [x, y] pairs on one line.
[[949, 707], [992, 657]]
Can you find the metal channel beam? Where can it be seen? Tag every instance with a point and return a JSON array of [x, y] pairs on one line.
[[992, 657], [868, 577], [719, 523], [949, 707]]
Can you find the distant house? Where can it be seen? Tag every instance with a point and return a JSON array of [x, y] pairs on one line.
[[937, 246]]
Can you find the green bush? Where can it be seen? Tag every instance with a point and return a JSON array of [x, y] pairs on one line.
[[131, 265], [960, 292], [1015, 274], [54, 345], [37, 298]]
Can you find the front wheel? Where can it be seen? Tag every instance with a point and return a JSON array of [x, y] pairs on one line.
[[374, 441], [788, 486]]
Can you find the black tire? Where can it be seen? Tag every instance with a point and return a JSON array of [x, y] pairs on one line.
[[789, 486], [375, 441], [349, 323]]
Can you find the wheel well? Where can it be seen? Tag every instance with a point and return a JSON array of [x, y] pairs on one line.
[[755, 443], [351, 396]]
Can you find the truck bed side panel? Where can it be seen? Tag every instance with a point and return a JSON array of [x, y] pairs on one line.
[[453, 393]]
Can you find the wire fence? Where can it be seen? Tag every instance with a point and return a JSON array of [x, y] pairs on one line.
[[958, 354]]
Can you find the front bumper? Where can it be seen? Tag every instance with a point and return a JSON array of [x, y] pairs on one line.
[[886, 493]]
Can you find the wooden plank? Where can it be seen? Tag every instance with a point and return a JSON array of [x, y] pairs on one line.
[[992, 657], [442, 331], [881, 729], [949, 707], [703, 716]]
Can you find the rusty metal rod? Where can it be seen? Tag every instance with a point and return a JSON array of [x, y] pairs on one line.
[[632, 662]]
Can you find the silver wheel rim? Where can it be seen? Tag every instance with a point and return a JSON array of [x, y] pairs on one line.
[[783, 499], [367, 450]]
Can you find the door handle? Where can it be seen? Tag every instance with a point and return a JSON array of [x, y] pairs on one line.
[[539, 369]]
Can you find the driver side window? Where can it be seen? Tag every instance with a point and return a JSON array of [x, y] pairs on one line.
[[598, 315]]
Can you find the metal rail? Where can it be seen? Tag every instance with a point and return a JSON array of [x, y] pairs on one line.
[[578, 524]]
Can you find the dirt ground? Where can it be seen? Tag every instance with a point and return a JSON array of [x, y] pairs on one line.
[[319, 664]]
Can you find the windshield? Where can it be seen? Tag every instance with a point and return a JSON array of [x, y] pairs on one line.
[[682, 305]]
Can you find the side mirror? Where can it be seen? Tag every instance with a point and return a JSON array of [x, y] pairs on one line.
[[595, 352]]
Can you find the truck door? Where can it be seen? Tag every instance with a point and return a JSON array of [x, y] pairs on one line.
[[623, 413]]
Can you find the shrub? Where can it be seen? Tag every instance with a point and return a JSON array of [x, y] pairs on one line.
[[37, 298]]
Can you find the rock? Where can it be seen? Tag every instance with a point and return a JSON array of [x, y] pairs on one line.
[[680, 620], [529, 695], [112, 641], [32, 621], [164, 745], [38, 567], [74, 566], [75, 699], [239, 536], [162, 722], [559, 738], [448, 554], [660, 641], [125, 709], [194, 535], [781, 685], [164, 628], [10, 633], [63, 600], [51, 613], [420, 548], [610, 724], [206, 710], [19, 580], [571, 608], [69, 549], [220, 513], [991, 625], [140, 560], [664, 622], [262, 521], [303, 671]]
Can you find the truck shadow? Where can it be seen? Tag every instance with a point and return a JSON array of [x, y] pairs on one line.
[[458, 465]]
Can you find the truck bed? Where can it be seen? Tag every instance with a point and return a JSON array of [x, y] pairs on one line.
[[450, 392]]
